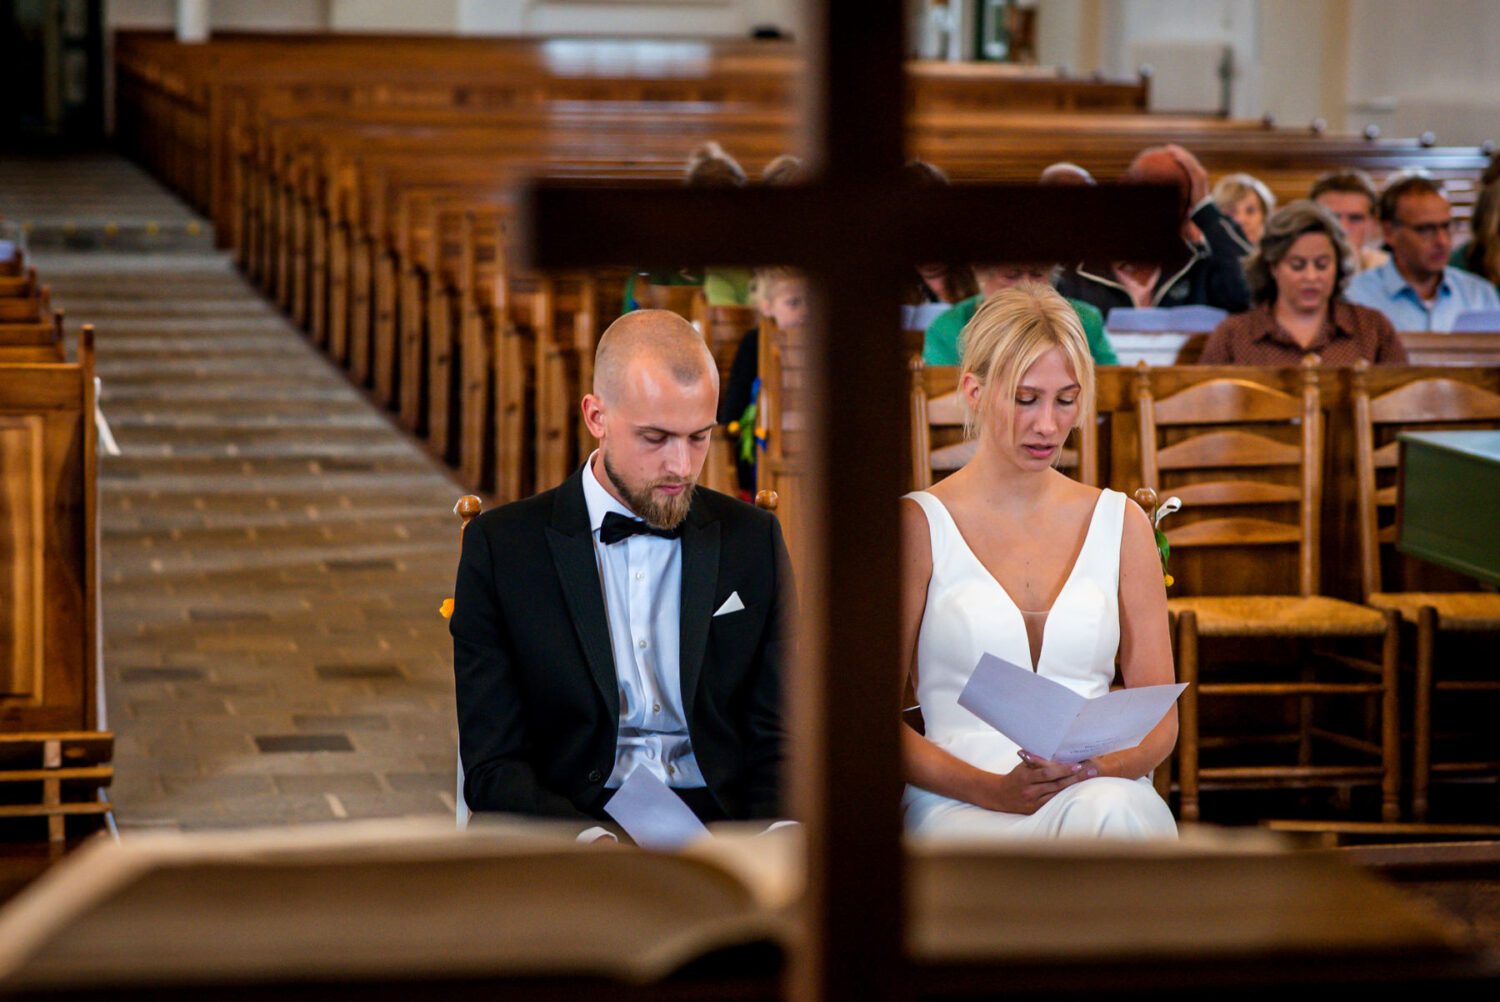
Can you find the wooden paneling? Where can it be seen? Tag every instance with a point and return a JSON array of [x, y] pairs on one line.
[[21, 534], [48, 682]]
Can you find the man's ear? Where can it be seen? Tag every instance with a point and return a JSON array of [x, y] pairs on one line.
[[593, 415]]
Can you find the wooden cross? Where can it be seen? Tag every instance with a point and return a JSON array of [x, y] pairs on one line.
[[857, 229]]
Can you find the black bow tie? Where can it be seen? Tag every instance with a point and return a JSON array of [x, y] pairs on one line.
[[617, 527]]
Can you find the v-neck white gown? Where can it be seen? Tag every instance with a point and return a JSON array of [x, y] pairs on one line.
[[969, 614]]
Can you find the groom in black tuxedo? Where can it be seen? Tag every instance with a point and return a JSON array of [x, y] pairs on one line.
[[628, 618]]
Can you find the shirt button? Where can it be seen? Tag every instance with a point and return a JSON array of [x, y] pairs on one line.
[[671, 770], [641, 644], [595, 775], [640, 575], [655, 707]]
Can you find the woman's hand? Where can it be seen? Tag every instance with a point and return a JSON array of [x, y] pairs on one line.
[[1031, 784]]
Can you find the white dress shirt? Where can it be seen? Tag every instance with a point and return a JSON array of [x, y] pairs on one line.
[[642, 582]]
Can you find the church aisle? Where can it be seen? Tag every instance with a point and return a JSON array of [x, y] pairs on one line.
[[274, 551]]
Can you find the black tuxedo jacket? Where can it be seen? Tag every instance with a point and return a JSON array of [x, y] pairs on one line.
[[538, 698]]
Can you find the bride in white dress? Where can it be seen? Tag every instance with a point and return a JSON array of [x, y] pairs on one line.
[[1008, 556]]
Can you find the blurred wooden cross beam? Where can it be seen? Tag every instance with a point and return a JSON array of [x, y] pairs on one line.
[[857, 229]]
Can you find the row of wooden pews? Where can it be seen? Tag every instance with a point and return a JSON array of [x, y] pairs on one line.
[[382, 222], [185, 109], [54, 756]]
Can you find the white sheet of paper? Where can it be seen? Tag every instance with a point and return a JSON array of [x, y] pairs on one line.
[[1051, 720], [652, 814]]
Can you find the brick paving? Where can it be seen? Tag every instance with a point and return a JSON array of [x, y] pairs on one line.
[[274, 550]]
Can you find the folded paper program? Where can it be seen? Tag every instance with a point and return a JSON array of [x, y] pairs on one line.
[[1053, 721]]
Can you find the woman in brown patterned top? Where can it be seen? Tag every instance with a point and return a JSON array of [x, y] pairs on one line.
[[1296, 281]]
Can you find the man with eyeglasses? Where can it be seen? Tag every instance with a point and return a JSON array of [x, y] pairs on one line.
[[1416, 289]]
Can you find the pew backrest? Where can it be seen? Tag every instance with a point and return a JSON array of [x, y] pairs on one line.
[[49, 607]]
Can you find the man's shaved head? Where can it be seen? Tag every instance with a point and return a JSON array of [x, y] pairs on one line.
[[656, 394], [659, 339]]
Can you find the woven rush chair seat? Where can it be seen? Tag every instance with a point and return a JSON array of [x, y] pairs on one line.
[[1280, 616], [1462, 612]]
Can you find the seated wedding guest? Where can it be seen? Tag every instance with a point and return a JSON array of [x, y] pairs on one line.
[[1416, 289], [1010, 557], [1208, 270], [1480, 254], [1063, 172], [783, 170], [1350, 196], [1247, 201], [627, 619], [781, 294], [940, 343], [1296, 278], [937, 281], [708, 167]]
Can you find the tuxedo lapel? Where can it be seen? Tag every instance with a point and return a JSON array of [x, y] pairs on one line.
[[700, 576], [572, 545]]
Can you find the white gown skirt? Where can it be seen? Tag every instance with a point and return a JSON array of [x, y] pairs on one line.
[[1105, 807]]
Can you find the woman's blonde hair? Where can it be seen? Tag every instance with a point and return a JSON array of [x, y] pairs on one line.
[[1011, 330]]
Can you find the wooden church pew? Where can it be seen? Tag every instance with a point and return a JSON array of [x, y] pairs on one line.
[[53, 758]]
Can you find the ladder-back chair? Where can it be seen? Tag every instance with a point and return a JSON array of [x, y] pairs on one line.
[[1246, 460], [1425, 401]]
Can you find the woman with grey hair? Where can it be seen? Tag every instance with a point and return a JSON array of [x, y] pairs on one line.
[[1245, 199], [1296, 282]]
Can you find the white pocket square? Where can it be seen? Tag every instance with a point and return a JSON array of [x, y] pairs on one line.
[[731, 604]]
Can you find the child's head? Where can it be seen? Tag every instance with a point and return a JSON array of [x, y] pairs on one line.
[[782, 296]]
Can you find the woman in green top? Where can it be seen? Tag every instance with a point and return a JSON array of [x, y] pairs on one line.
[[940, 345]]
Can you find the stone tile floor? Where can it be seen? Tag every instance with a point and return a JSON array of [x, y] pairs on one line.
[[274, 550]]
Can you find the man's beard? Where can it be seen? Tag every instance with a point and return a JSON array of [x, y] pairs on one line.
[[660, 511]]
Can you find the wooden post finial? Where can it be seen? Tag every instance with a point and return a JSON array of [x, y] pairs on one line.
[[467, 507], [767, 500]]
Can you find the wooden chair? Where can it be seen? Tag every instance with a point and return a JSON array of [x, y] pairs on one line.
[[938, 446], [782, 466], [724, 327], [1242, 456], [1430, 402]]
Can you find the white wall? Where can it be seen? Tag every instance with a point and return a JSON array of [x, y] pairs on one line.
[[1407, 66], [427, 16], [1418, 66], [227, 15], [731, 18]]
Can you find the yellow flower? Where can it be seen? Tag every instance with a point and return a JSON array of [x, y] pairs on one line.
[[1169, 579], [446, 609], [734, 427], [760, 432]]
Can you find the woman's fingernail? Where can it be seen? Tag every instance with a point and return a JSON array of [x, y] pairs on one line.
[[1092, 772]]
